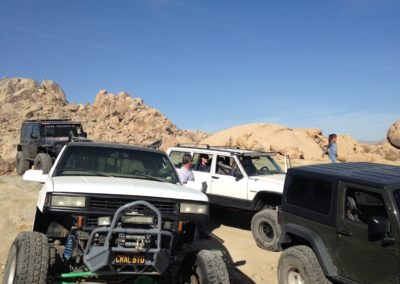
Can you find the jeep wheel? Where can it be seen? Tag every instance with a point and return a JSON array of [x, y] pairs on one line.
[[43, 162], [21, 165], [208, 268], [299, 265], [266, 231], [28, 259]]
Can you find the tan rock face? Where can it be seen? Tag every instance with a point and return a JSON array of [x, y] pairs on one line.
[[393, 135], [122, 118], [114, 118]]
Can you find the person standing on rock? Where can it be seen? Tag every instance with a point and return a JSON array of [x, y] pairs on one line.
[[332, 148], [185, 173]]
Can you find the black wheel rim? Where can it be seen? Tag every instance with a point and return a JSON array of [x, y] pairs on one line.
[[266, 231]]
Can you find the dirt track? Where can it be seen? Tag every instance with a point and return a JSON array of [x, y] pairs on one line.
[[232, 237]]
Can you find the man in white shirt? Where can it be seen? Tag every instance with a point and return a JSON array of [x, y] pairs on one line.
[[185, 173]]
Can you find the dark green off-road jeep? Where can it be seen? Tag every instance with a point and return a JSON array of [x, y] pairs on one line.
[[340, 223], [42, 140]]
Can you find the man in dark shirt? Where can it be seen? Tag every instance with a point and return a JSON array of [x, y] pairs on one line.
[[204, 167]]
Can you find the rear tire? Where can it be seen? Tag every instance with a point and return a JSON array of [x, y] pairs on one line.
[[28, 260], [21, 165], [266, 230], [299, 264], [43, 162]]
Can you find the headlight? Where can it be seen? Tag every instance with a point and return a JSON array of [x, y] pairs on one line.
[[141, 220], [193, 208], [68, 201]]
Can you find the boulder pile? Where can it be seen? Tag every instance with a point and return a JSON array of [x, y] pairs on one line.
[[123, 118]]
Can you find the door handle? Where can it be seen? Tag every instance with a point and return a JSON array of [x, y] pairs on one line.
[[214, 177], [343, 232]]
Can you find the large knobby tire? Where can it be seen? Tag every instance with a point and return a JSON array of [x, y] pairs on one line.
[[21, 165], [210, 269], [266, 230], [28, 260], [43, 162], [299, 264]]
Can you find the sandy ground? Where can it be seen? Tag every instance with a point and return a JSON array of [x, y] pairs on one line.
[[231, 233]]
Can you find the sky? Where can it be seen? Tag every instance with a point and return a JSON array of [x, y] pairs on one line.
[[214, 64]]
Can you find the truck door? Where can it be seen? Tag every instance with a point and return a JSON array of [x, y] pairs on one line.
[[226, 183], [364, 257]]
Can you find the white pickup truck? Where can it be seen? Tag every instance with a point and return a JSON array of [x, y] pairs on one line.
[[110, 213], [243, 179]]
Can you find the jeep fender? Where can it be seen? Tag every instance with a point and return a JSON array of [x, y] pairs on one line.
[[265, 198], [316, 243]]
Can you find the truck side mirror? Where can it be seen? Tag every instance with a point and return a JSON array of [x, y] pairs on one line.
[[84, 134], [378, 226], [379, 229], [238, 175]]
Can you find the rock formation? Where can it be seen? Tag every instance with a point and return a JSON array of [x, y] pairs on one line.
[[122, 118], [393, 135]]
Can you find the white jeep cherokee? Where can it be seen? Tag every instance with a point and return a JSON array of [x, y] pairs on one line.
[[243, 179], [110, 213]]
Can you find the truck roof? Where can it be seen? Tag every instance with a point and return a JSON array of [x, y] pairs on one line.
[[368, 174], [52, 121], [114, 145], [222, 149]]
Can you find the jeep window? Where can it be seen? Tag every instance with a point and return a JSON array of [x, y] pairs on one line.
[[197, 157], [361, 205], [176, 158], [260, 165], [226, 166], [116, 162], [60, 130], [310, 194]]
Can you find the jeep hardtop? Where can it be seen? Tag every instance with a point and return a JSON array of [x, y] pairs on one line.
[[42, 140], [242, 179], [340, 223], [110, 213]]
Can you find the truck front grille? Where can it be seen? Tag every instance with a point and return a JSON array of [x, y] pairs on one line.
[[115, 203]]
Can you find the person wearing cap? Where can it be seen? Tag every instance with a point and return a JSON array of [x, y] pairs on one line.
[[185, 173], [204, 167]]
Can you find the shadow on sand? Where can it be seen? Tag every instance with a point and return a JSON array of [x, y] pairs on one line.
[[218, 217]]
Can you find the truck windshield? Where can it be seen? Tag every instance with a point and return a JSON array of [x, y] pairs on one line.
[[260, 165], [116, 162], [60, 130]]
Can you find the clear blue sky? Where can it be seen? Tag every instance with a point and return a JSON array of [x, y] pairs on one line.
[[215, 64]]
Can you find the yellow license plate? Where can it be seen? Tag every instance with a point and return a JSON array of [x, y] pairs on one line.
[[129, 259]]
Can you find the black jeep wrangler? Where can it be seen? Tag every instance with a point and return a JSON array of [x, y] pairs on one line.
[[340, 223], [42, 140]]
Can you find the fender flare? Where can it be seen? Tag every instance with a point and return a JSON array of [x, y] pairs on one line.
[[318, 246]]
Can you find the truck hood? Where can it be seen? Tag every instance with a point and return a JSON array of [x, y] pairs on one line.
[[275, 178], [125, 186], [271, 183]]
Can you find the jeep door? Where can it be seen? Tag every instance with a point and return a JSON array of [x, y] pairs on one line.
[[362, 257], [228, 185]]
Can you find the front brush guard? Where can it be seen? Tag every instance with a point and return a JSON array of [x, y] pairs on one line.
[[97, 257]]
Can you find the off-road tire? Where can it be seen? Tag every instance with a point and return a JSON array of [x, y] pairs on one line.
[[266, 230], [43, 162], [21, 164], [211, 268], [300, 261], [28, 260]]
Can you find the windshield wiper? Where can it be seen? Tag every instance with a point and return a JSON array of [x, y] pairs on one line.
[[150, 177], [88, 171]]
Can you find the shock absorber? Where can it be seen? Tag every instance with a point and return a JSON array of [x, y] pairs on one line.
[[69, 246]]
